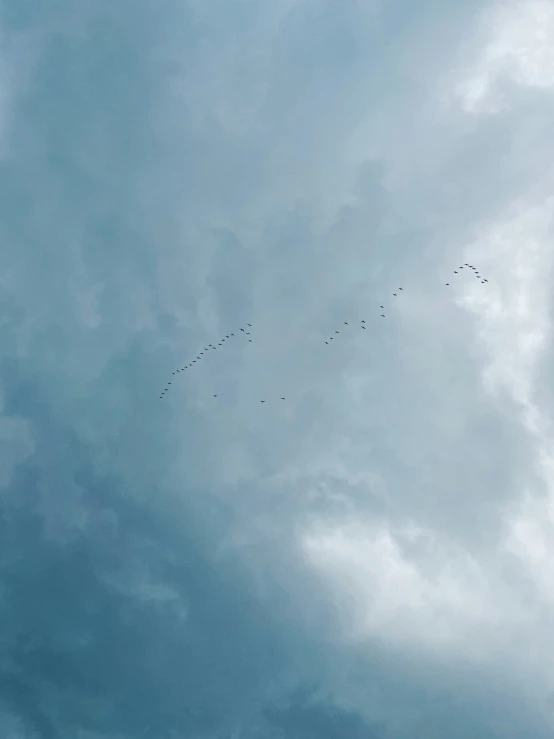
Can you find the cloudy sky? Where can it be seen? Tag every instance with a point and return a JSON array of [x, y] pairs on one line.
[[372, 558]]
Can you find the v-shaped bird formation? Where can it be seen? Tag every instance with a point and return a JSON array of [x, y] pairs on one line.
[[244, 332]]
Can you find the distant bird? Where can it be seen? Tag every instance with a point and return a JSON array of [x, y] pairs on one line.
[[330, 338], [382, 315], [232, 334], [248, 333], [169, 383], [401, 288], [215, 396], [250, 340], [226, 337], [262, 401], [249, 324], [282, 399], [242, 329], [173, 373], [345, 323], [447, 284], [364, 328], [395, 295], [326, 342], [336, 332], [220, 344], [362, 321], [455, 272], [382, 306]]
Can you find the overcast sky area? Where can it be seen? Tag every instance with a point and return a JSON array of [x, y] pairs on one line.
[[371, 558]]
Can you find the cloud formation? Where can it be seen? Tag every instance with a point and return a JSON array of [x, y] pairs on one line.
[[370, 559]]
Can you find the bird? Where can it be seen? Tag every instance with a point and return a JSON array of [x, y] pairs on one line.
[[345, 323], [362, 321], [455, 272], [401, 288], [447, 284], [232, 334], [395, 295], [173, 373], [330, 338], [364, 328], [242, 329], [248, 333], [219, 344], [249, 324], [326, 342], [382, 315], [215, 396], [336, 332], [250, 340], [262, 401], [226, 337], [382, 306], [169, 383]]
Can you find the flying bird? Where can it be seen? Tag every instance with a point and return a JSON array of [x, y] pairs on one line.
[[364, 328], [382, 315], [249, 324], [345, 323], [242, 329]]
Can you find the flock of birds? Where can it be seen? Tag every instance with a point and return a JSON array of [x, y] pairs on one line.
[[212, 347]]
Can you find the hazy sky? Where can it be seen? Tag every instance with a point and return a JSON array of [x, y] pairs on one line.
[[372, 558]]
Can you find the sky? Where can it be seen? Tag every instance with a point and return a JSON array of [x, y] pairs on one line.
[[372, 558]]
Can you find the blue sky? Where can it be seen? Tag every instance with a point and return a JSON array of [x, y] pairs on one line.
[[373, 557]]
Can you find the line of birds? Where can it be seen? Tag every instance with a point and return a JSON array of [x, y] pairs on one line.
[[227, 337], [202, 355]]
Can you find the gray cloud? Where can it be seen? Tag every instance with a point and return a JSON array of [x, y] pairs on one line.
[[183, 568]]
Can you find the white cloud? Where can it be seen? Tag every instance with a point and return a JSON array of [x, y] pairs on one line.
[[519, 48]]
